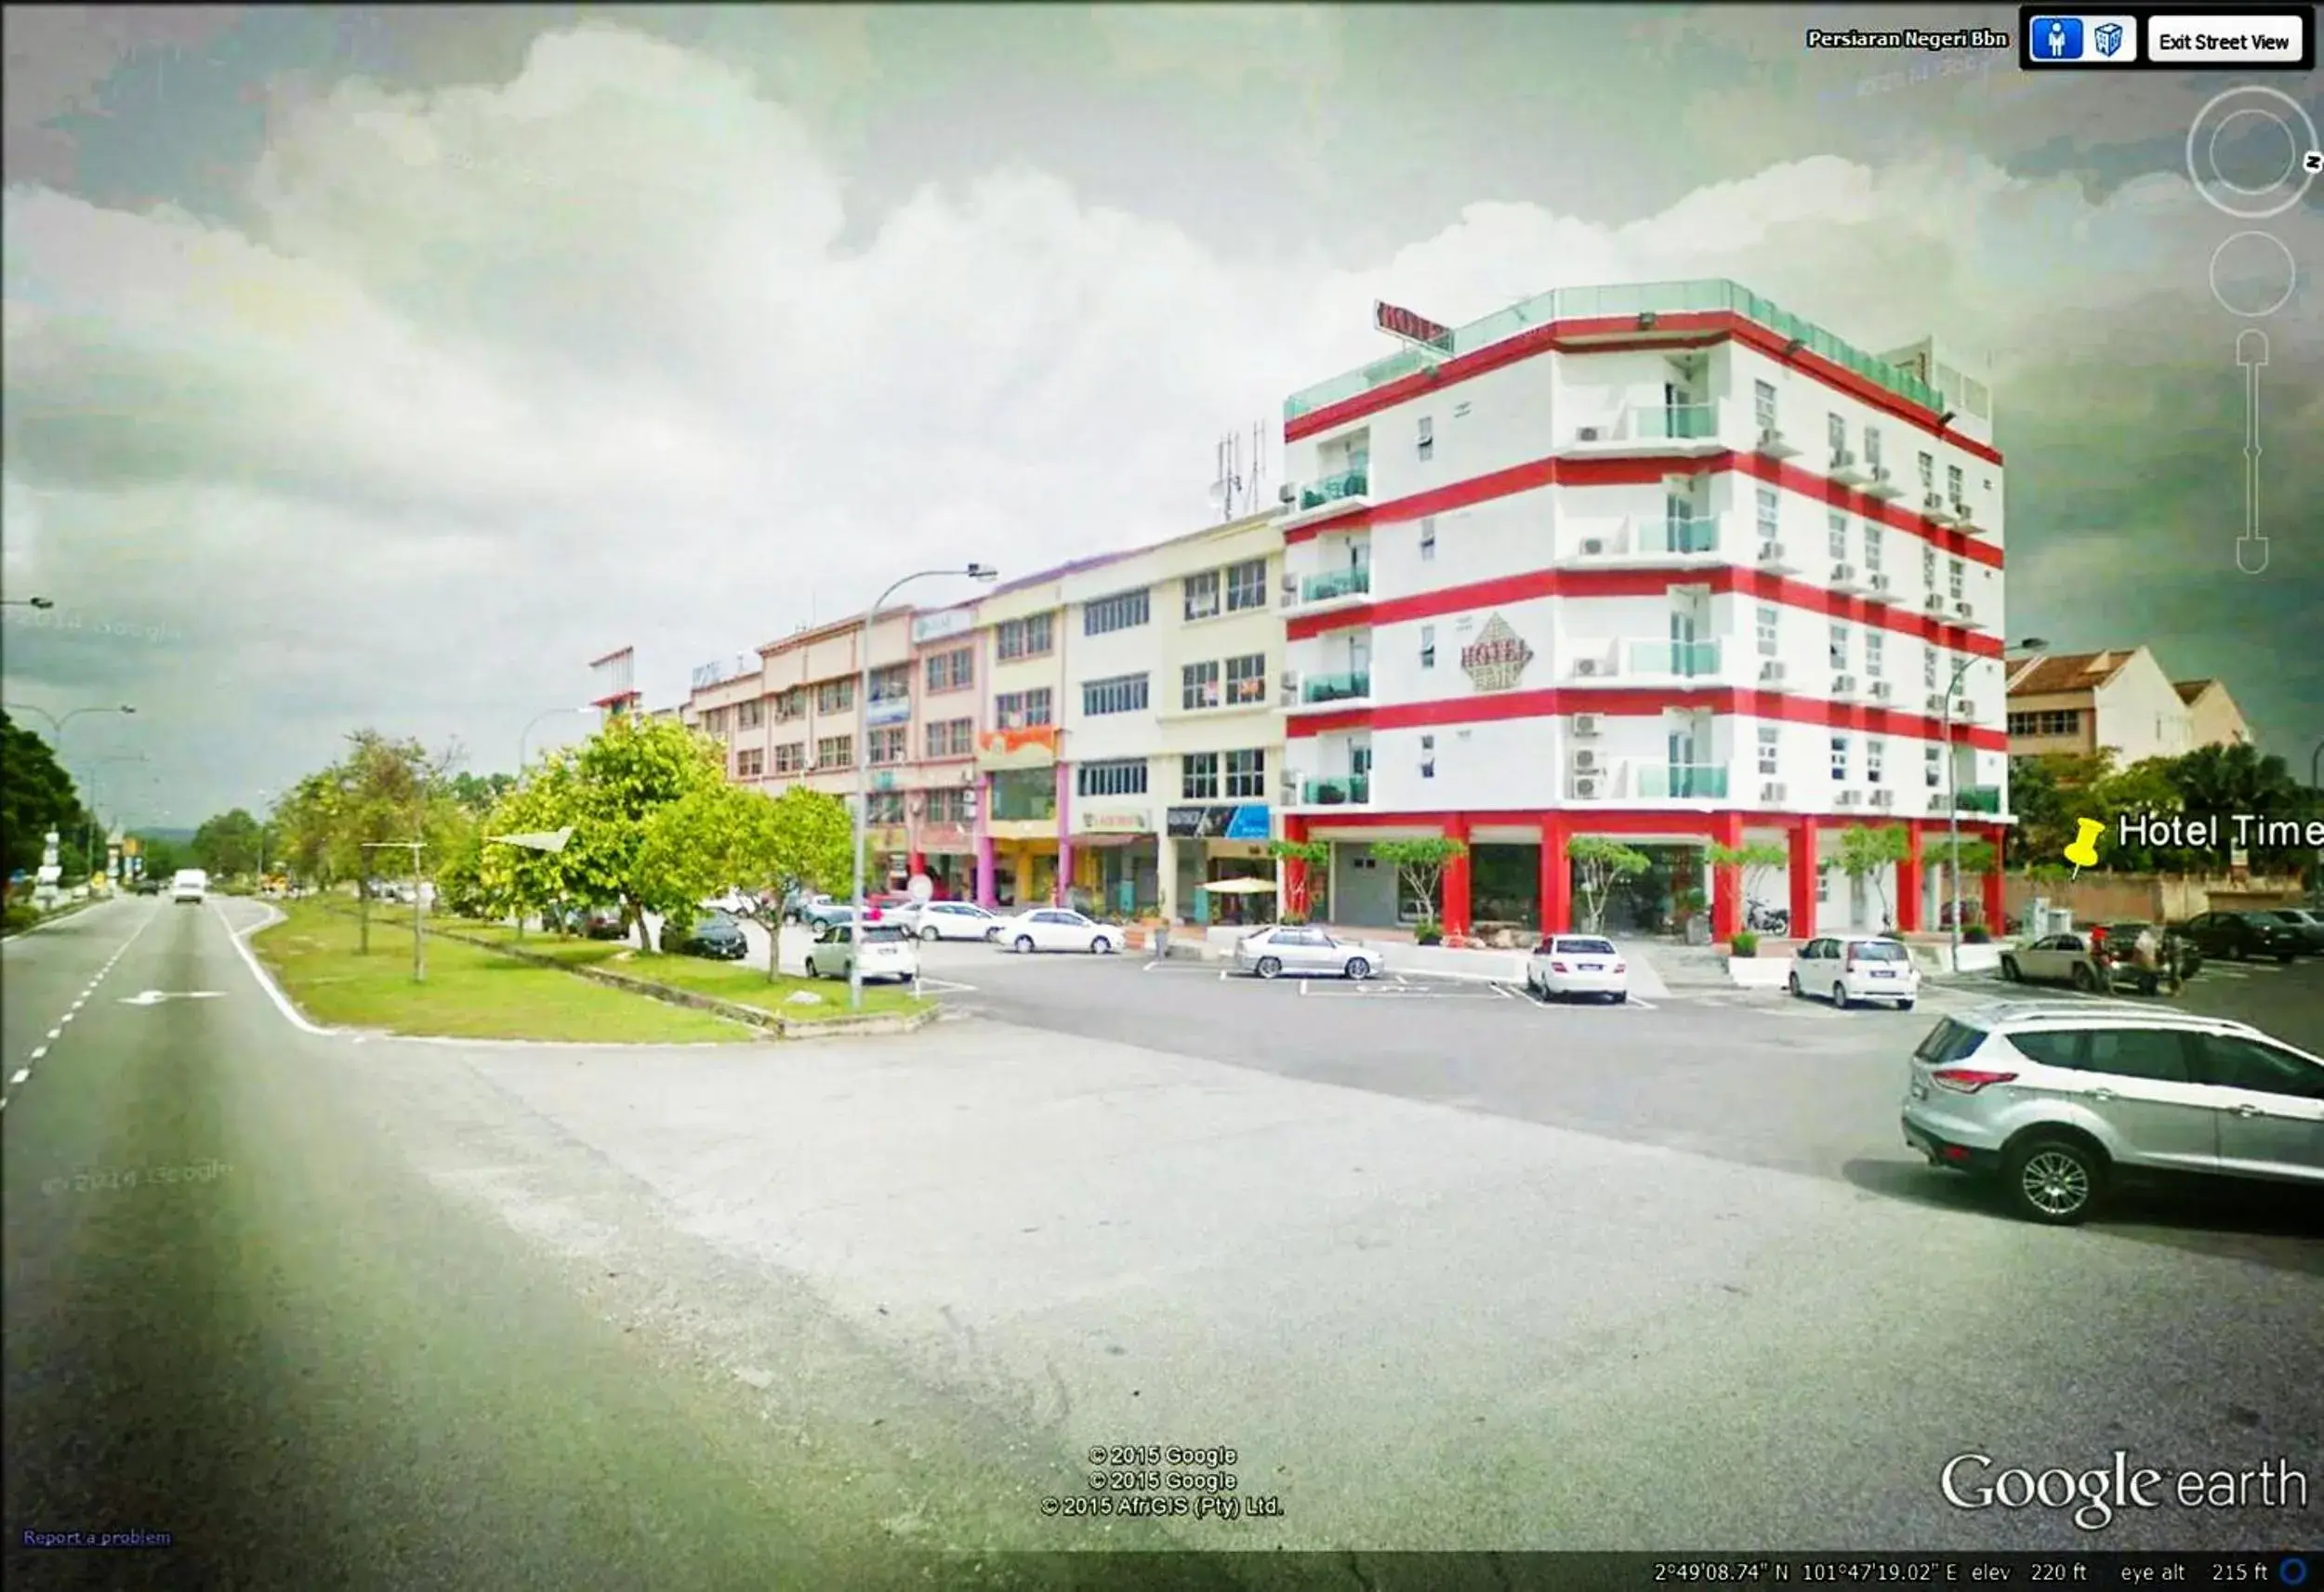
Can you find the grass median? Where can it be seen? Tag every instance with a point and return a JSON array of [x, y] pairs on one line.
[[469, 993]]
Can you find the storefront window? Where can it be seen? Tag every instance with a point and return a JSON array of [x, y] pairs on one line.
[[1024, 794]]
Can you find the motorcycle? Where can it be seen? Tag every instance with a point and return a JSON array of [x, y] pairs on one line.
[[1760, 918]]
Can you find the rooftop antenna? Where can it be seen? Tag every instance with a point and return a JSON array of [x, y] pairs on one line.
[[1258, 467], [1229, 480]]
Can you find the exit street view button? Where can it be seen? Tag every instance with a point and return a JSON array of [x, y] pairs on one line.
[[2214, 38]]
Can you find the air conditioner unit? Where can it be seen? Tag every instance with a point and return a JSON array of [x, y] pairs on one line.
[[1967, 611], [1844, 575], [1847, 798], [1585, 758], [1585, 786], [1963, 708], [1770, 439], [1589, 666], [1588, 434], [1770, 552], [1771, 791], [1883, 798], [1771, 671], [1937, 703], [1935, 603], [1883, 690], [1933, 502], [1961, 511], [1879, 474], [1290, 590], [1585, 724], [1843, 460], [1286, 492], [1593, 546], [1291, 679], [1843, 685], [1878, 583]]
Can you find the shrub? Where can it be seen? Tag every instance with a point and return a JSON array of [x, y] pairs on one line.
[[1891, 934], [21, 916], [1976, 934], [1292, 919], [1428, 934], [1746, 944]]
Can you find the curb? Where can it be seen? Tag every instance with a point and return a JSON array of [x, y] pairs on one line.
[[51, 919]]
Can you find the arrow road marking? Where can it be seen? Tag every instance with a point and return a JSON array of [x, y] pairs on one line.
[[156, 997]]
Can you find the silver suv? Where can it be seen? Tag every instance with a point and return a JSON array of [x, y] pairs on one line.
[[2058, 1100]]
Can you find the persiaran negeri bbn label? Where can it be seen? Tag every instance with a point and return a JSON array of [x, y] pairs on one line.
[[2210, 831]]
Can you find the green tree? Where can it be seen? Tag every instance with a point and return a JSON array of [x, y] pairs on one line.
[[1867, 852], [479, 793], [2046, 795], [2235, 780], [227, 845], [162, 856], [1757, 859], [1312, 857], [1605, 863], [37, 795], [1421, 864]]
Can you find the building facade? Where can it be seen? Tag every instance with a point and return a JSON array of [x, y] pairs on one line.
[[1660, 564], [2120, 700]]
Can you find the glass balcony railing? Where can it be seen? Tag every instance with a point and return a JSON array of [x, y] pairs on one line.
[[1685, 659], [1678, 423], [1347, 483], [1682, 782], [1681, 536], [1352, 582], [1349, 790], [1336, 687], [1978, 799], [1634, 298]]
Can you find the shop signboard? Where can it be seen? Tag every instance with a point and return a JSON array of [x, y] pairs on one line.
[[926, 627], [1497, 659], [1246, 821], [1114, 822], [885, 711], [1032, 747]]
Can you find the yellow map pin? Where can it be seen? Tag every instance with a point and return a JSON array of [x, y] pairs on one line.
[[2083, 852]]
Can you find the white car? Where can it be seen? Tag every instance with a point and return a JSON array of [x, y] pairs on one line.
[[1578, 965], [888, 953], [1055, 928], [190, 885], [950, 920], [1847, 969], [1300, 950]]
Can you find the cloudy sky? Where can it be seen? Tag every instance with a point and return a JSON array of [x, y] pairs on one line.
[[382, 368]]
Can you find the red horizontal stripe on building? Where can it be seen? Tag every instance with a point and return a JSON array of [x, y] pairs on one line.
[[1672, 331], [1532, 477], [1726, 580], [1635, 702]]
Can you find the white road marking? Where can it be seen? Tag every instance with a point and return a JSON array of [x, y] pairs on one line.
[[257, 971], [947, 986], [56, 1033], [1643, 1006], [67, 1017], [1502, 991], [39, 1051], [22, 1074], [1304, 983]]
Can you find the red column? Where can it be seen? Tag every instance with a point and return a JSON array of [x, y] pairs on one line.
[[918, 863], [1457, 881], [1295, 871], [1727, 879], [1804, 844], [1557, 878], [1994, 910], [1909, 882]]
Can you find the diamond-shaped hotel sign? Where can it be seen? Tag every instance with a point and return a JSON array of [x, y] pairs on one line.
[[1497, 659]]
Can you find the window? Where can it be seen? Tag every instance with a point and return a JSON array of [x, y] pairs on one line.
[[1246, 775], [2232, 1063], [1840, 757], [947, 807], [1875, 546], [1769, 626], [1928, 566], [1770, 513], [1928, 472], [750, 714], [1871, 448], [1198, 686], [835, 751], [1764, 404], [750, 763], [1933, 766], [1428, 540], [1428, 756], [1839, 647], [790, 757], [892, 683], [1246, 680], [790, 704], [951, 738], [1122, 693], [1955, 489], [1028, 638], [1928, 670], [1875, 760], [2156, 1053], [1428, 439], [1247, 585], [1875, 652], [1123, 611], [836, 697], [1202, 594], [890, 745], [1770, 745], [1022, 709], [1198, 776], [885, 807], [714, 721], [952, 671], [1836, 433], [1836, 537], [1122, 776], [2050, 721], [1428, 646]]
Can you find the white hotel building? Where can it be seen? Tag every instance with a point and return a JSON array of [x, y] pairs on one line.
[[1660, 563]]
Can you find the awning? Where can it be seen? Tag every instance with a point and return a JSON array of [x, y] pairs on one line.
[[1240, 886]]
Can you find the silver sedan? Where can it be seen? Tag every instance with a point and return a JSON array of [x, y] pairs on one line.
[[1301, 951]]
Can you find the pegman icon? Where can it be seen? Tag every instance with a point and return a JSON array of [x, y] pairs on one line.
[[2083, 852]]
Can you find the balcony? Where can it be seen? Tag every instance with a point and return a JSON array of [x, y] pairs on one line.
[[1682, 782], [1354, 687], [1331, 488], [1654, 540], [1684, 660], [1347, 789], [1683, 428], [1978, 799], [1338, 585]]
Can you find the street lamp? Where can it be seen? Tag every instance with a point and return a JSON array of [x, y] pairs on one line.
[[1952, 798], [526, 739], [863, 763]]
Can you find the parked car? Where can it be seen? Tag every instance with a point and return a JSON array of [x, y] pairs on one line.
[[886, 953], [2239, 936], [948, 920], [1296, 948], [2308, 924], [718, 935], [734, 903], [1567, 964], [148, 886], [2060, 1101], [1055, 928], [2108, 956], [2168, 949], [190, 885], [598, 923], [1848, 968]]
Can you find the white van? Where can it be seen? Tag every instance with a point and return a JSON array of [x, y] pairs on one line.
[[190, 885]]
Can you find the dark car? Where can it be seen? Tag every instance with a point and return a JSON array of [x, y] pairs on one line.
[[2308, 926], [148, 887], [2239, 936], [595, 923], [718, 935]]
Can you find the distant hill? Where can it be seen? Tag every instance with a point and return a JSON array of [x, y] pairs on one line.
[[175, 836]]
